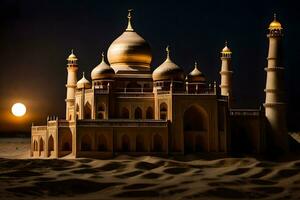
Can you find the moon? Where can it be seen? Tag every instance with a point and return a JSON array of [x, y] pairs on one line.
[[18, 109]]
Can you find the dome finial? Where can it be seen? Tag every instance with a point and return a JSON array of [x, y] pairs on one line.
[[102, 56], [168, 52], [196, 65], [129, 27], [72, 51], [83, 75], [275, 17], [226, 43]]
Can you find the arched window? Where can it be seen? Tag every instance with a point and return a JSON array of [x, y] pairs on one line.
[[35, 145], [163, 111], [50, 145], [138, 113], [125, 113], [66, 141], [87, 111], [157, 143], [41, 144], [102, 143], [125, 143], [149, 113], [140, 147], [86, 143]]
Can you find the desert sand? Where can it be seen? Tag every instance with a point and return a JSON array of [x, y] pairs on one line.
[[146, 177]]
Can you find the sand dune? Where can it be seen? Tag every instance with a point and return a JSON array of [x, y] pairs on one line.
[[146, 177]]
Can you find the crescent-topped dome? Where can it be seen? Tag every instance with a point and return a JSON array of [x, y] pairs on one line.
[[196, 75], [129, 52], [102, 71], [83, 83], [168, 70]]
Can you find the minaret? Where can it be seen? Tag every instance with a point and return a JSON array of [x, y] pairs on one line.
[[275, 107], [226, 73], [71, 85]]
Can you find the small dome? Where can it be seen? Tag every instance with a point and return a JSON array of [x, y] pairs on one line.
[[196, 75], [102, 71], [275, 25], [168, 70], [226, 49], [83, 83], [72, 56], [129, 52]]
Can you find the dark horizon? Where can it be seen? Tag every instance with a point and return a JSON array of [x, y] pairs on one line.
[[37, 37]]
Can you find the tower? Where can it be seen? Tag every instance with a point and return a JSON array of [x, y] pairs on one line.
[[226, 73], [275, 107], [71, 85]]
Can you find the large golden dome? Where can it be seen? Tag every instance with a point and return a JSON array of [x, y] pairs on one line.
[[129, 52]]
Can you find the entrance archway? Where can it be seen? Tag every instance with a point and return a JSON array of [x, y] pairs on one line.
[[195, 128], [50, 145]]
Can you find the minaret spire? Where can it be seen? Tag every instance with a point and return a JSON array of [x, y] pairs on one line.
[[72, 68], [275, 106], [226, 72], [129, 27]]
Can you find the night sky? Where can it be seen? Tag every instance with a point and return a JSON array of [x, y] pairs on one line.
[[36, 37]]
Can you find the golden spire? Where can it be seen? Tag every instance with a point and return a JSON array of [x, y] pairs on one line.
[[275, 25], [102, 56], [72, 58], [196, 65], [226, 50], [168, 52], [129, 27]]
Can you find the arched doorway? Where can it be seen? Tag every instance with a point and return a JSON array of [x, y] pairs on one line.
[[138, 113], [35, 145], [66, 141], [50, 145], [41, 144], [139, 145], [86, 143], [157, 143], [125, 143], [87, 111], [102, 143], [195, 125]]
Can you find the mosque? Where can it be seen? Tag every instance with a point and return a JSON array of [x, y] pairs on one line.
[[128, 109]]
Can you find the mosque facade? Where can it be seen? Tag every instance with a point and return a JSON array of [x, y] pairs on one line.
[[128, 109]]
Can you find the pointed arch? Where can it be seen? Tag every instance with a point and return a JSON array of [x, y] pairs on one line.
[[149, 113], [125, 143], [42, 144], [163, 111], [195, 128], [102, 143], [138, 114], [157, 143], [66, 141], [51, 143], [35, 145], [86, 143], [87, 111], [125, 113], [140, 143]]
